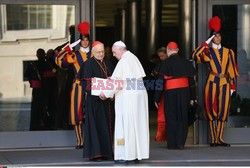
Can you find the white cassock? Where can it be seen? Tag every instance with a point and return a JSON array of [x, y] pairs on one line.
[[131, 110]]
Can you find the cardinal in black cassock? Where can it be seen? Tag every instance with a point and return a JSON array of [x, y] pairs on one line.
[[99, 114], [178, 90]]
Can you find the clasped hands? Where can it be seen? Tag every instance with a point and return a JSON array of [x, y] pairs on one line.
[[102, 96]]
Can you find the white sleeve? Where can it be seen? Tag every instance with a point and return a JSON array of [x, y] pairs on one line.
[[114, 87]]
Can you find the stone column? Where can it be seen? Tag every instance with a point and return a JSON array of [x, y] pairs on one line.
[[185, 22], [153, 24], [120, 25], [123, 25], [133, 25]]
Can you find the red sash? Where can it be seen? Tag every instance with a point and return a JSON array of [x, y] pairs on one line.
[[176, 83], [48, 74], [35, 84]]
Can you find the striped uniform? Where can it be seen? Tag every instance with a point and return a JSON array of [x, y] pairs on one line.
[[223, 72], [75, 60]]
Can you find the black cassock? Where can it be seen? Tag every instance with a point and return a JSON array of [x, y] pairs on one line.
[[43, 95], [99, 121], [176, 101]]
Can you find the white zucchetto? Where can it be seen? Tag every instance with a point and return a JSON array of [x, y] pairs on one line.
[[119, 43]]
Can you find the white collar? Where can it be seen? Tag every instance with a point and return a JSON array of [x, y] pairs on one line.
[[215, 46], [84, 49]]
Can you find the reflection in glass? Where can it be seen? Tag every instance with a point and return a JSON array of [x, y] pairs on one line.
[[25, 29]]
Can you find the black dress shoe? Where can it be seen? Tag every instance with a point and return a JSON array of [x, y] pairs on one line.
[[223, 144], [213, 144], [79, 146]]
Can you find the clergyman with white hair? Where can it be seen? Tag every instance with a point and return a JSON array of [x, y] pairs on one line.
[[131, 139], [98, 132]]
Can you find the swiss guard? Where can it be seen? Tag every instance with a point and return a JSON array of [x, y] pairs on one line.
[[66, 59], [221, 80]]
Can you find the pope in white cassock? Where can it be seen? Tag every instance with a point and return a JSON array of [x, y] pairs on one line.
[[131, 107]]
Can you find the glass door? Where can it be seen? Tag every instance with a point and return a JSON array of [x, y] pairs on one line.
[[29, 27], [235, 21]]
